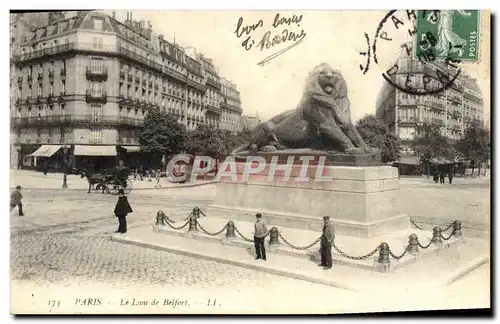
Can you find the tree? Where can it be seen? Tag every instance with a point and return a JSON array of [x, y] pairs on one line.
[[161, 134], [430, 143], [475, 145], [376, 134], [207, 140]]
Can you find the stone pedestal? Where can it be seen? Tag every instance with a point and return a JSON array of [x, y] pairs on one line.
[[361, 201]]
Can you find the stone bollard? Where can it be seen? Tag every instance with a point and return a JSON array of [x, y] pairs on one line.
[[457, 228], [383, 259], [273, 237], [412, 247], [230, 230], [65, 182], [193, 224], [436, 235]]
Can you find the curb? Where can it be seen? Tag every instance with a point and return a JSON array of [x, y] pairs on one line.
[[241, 264], [133, 189]]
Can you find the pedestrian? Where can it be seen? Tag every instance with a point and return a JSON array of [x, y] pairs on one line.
[[441, 177], [15, 200], [259, 236], [450, 176], [122, 208], [326, 243], [158, 178]]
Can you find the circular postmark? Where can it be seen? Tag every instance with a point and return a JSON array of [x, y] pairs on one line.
[[427, 72]]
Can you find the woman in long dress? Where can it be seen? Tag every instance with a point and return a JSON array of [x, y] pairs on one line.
[[447, 40]]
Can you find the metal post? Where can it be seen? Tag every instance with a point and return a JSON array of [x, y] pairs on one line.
[[436, 235], [412, 247], [457, 228], [383, 258], [230, 230], [65, 181], [193, 224]]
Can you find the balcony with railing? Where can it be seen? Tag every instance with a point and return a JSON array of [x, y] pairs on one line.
[[177, 75], [94, 96], [63, 73], [139, 58], [51, 75], [40, 76], [97, 74], [214, 83], [45, 52], [213, 109]]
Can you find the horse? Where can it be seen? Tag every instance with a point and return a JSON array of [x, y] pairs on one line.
[[93, 179]]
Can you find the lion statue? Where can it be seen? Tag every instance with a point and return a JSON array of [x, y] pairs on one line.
[[321, 121]]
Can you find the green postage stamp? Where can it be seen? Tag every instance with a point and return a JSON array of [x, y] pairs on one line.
[[447, 35]]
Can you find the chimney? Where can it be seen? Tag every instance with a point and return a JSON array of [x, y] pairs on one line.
[[113, 14], [127, 17]]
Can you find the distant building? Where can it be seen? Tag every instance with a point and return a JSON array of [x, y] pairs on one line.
[[231, 107], [250, 122], [453, 108]]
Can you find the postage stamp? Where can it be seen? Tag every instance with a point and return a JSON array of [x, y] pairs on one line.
[[447, 34]]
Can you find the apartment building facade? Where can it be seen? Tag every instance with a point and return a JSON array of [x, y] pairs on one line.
[[84, 85], [454, 108], [230, 107]]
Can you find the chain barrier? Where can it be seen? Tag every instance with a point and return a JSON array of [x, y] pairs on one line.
[[415, 224], [446, 238], [424, 247], [243, 236], [356, 257], [178, 228], [448, 227], [209, 233], [299, 247], [161, 214], [397, 257]]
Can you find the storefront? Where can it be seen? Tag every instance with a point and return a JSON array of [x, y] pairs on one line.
[[94, 158], [48, 158], [131, 156]]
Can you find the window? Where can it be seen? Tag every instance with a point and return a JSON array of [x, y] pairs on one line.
[[51, 132], [97, 42], [96, 89], [39, 90], [96, 113], [30, 92], [63, 107], [98, 24], [51, 110], [96, 65], [63, 87], [51, 88], [95, 136]]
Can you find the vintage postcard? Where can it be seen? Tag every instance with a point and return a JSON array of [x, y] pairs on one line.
[[249, 162]]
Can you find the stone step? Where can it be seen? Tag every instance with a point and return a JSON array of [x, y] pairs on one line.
[[420, 278], [349, 251]]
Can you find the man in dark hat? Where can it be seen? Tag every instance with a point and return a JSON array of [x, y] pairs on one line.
[[259, 236], [122, 208], [15, 200], [326, 243]]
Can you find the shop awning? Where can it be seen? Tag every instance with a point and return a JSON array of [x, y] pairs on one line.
[[95, 150], [46, 150], [131, 149]]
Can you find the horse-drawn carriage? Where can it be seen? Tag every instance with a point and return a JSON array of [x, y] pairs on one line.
[[110, 181]]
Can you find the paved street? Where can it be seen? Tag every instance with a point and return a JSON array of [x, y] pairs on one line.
[[64, 239]]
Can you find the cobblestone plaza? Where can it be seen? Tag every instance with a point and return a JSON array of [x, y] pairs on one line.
[[64, 239]]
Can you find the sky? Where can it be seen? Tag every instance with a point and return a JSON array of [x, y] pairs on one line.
[[333, 37]]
